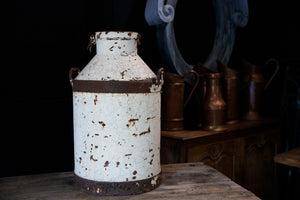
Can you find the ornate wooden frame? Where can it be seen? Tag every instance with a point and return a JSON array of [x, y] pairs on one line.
[[230, 14]]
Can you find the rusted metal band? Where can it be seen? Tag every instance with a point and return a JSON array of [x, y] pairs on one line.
[[118, 188], [141, 86]]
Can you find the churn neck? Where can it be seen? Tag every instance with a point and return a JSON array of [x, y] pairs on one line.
[[117, 43], [213, 84]]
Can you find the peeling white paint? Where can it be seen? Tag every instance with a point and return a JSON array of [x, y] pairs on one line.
[[117, 135]]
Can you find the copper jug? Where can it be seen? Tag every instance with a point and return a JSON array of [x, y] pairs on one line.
[[195, 117], [254, 86], [173, 100], [231, 92], [214, 105]]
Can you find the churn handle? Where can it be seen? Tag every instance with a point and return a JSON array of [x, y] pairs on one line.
[[160, 77], [275, 72], [92, 42], [71, 74], [194, 87]]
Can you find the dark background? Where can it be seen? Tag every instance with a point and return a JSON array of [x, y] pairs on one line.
[[51, 36]]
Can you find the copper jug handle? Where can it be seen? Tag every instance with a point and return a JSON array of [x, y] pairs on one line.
[[71, 74], [275, 72], [195, 85]]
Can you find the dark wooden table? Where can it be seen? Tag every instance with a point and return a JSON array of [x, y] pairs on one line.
[[180, 181]]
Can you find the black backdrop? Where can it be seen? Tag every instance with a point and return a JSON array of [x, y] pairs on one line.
[[51, 36]]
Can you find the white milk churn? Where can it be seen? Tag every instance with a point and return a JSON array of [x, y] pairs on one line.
[[116, 111]]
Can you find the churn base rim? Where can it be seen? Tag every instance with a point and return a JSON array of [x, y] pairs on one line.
[[118, 188]]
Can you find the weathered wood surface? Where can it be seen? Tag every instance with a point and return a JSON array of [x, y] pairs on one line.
[[290, 158], [180, 181]]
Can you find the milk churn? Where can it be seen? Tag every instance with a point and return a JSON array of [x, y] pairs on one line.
[[116, 111]]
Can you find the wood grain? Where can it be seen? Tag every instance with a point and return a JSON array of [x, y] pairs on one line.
[[290, 158], [180, 181]]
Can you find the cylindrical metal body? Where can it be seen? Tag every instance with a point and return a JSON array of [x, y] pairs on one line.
[[214, 105], [252, 96], [231, 92], [172, 102], [116, 105]]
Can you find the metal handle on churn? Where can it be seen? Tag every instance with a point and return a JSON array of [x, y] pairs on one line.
[[71, 74]]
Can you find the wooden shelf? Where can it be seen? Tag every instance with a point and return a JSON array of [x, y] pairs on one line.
[[290, 158]]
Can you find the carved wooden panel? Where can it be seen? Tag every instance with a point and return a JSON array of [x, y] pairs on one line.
[[221, 156], [259, 167]]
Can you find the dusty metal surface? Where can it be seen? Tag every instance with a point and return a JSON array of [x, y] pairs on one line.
[[119, 188]]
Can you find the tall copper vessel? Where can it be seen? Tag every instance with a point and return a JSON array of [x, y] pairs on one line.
[[231, 92], [254, 86], [214, 105], [173, 103]]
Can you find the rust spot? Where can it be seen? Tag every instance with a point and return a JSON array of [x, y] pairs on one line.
[[95, 100], [124, 53], [106, 136], [145, 132], [102, 124], [148, 118], [150, 150], [134, 177], [118, 163], [96, 146], [134, 134], [123, 73], [134, 172], [129, 34], [119, 47], [84, 102], [88, 135], [111, 48], [93, 159], [129, 154], [132, 120], [126, 179], [106, 164], [84, 152], [93, 122], [80, 160], [152, 155], [96, 134], [151, 161]]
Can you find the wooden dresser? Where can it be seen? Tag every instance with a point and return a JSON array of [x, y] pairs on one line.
[[243, 152]]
